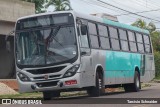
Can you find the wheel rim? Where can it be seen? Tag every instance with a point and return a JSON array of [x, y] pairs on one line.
[[100, 83], [137, 82]]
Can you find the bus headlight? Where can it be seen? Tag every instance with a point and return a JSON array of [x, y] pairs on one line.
[[72, 71], [23, 77]]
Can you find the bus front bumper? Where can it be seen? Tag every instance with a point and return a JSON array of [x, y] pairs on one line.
[[50, 85]]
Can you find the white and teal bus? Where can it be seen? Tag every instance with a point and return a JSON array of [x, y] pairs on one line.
[[64, 51]]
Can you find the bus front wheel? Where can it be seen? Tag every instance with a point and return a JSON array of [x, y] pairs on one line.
[[99, 88], [48, 95]]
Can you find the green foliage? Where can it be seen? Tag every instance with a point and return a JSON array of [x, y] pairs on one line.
[[157, 63], [60, 5], [142, 24], [155, 36]]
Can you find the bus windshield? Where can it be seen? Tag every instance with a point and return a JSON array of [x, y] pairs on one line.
[[46, 46]]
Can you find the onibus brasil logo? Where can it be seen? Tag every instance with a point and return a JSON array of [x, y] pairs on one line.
[[21, 101]]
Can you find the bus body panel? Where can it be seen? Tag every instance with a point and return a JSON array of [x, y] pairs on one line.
[[87, 71], [149, 68], [121, 66]]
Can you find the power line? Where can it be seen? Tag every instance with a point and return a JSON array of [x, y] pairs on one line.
[[99, 4], [154, 3], [138, 12], [143, 3], [128, 11], [120, 14], [120, 3], [140, 3]]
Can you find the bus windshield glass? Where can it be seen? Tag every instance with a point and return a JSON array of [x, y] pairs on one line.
[[40, 47]]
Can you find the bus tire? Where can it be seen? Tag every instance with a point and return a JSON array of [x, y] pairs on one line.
[[99, 88], [48, 95], [134, 87]]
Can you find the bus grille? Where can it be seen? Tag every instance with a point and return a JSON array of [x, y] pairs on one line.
[[50, 77], [47, 84], [46, 70]]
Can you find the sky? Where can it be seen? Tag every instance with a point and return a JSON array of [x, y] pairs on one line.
[[94, 6]]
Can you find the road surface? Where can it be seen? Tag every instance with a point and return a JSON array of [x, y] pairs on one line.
[[148, 92]]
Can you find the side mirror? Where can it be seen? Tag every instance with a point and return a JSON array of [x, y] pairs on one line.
[[83, 29], [8, 44]]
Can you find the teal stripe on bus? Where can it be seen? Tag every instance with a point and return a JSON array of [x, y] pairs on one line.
[[121, 64], [117, 24]]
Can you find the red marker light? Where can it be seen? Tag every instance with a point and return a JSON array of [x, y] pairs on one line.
[[71, 82]]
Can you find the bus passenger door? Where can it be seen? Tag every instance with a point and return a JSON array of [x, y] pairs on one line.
[[85, 51]]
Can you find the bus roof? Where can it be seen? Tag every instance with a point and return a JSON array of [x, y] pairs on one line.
[[125, 26], [112, 23], [93, 18]]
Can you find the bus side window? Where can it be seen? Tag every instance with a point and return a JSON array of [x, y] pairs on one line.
[[123, 40], [147, 44], [132, 41], [114, 38], [140, 43], [84, 36], [104, 39], [93, 35]]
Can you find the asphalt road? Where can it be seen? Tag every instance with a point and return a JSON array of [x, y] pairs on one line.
[[149, 92]]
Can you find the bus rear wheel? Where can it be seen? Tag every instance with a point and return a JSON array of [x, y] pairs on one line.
[[134, 87], [48, 95], [99, 89]]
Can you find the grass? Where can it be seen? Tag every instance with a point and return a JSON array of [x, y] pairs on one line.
[[157, 77], [23, 95], [76, 93], [39, 95], [143, 85]]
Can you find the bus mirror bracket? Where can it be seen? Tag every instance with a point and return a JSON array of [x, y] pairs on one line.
[[83, 53]]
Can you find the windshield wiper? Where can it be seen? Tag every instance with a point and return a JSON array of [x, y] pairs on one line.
[[53, 34]]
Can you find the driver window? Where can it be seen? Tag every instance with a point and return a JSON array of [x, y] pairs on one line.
[[84, 36]]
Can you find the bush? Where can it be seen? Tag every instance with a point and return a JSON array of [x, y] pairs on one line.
[[157, 63]]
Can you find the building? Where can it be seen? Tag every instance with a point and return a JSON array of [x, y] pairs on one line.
[[107, 16], [10, 11]]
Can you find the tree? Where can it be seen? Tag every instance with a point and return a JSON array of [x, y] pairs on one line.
[[60, 5], [140, 23], [39, 5], [157, 62]]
